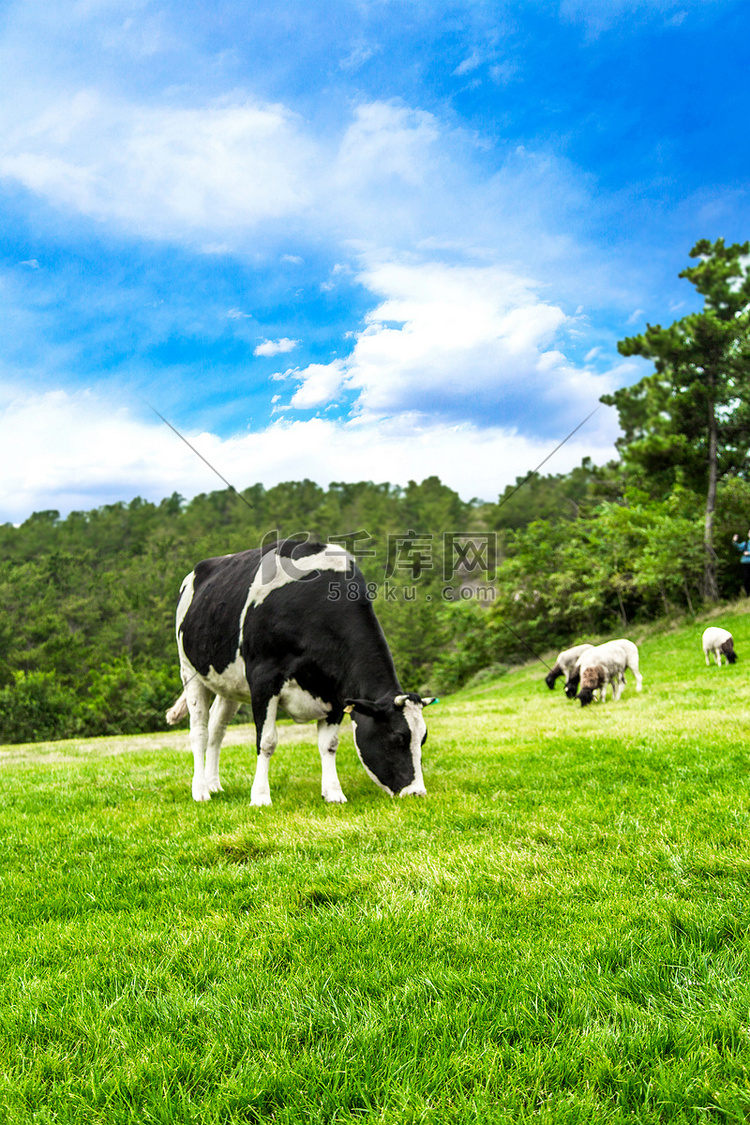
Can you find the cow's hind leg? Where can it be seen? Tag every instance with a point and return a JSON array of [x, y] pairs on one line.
[[328, 740], [198, 701], [264, 714], [221, 714]]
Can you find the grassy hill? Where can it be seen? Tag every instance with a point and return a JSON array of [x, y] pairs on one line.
[[557, 933]]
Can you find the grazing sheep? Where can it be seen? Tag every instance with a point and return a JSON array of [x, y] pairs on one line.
[[564, 665], [716, 641], [604, 665]]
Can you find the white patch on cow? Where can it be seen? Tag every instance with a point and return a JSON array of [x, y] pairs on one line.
[[276, 571], [367, 770], [183, 605], [232, 682], [301, 705], [418, 727]]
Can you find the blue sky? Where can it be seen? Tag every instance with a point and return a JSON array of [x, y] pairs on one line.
[[345, 240]]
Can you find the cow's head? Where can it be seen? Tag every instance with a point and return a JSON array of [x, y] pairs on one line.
[[551, 677], [389, 734]]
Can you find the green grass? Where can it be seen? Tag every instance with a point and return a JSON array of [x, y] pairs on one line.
[[557, 933]]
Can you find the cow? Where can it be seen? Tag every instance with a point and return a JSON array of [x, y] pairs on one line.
[[291, 625]]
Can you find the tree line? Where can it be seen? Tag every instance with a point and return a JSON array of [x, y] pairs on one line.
[[462, 589]]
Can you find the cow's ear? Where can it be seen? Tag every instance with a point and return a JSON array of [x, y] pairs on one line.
[[428, 699], [365, 706]]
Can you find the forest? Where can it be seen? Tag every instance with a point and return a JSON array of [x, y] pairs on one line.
[[462, 588]]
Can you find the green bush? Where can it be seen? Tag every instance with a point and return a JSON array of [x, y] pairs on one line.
[[37, 707], [122, 699]]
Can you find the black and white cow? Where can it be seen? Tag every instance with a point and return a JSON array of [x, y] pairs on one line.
[[290, 625]]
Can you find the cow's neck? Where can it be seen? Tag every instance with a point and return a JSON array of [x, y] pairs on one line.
[[368, 671]]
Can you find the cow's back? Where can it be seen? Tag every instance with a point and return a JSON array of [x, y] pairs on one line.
[[209, 630]]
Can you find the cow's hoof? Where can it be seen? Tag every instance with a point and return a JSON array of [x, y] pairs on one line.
[[413, 791], [334, 798], [215, 786], [260, 801], [201, 793]]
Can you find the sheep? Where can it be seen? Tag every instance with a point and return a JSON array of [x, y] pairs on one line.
[[564, 665], [716, 641], [604, 665]]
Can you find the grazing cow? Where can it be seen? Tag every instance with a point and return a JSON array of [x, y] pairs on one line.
[[604, 665], [564, 665], [290, 625], [716, 641]]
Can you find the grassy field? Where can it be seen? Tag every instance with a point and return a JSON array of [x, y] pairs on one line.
[[557, 933]]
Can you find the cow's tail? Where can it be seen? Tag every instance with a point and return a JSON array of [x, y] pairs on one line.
[[178, 710]]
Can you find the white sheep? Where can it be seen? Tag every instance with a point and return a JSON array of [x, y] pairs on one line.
[[604, 665], [717, 640], [564, 665]]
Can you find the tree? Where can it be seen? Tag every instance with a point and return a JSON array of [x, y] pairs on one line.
[[691, 418]]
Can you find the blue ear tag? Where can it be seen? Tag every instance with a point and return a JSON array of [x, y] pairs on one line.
[[435, 700]]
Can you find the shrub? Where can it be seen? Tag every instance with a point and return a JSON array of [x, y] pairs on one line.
[[122, 699], [36, 707]]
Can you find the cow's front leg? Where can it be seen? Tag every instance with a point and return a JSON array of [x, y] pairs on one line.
[[267, 740], [221, 714], [328, 740]]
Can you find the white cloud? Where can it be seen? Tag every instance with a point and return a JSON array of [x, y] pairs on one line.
[[601, 15], [163, 170], [223, 168], [503, 73], [469, 64], [276, 347], [72, 451], [454, 341], [221, 176], [358, 57], [322, 382], [385, 141]]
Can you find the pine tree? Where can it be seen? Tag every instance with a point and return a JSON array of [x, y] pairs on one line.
[[691, 418]]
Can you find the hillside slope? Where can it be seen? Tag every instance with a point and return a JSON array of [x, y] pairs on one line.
[[557, 933]]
